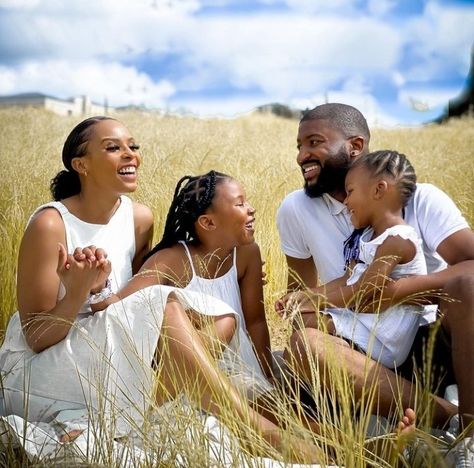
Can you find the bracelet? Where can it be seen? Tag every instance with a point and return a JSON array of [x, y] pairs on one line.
[[102, 295]]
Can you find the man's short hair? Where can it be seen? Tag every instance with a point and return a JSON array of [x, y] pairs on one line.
[[345, 118]]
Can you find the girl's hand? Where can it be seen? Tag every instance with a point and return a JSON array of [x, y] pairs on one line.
[[104, 272], [80, 277]]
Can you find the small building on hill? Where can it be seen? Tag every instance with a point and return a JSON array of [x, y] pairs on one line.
[[75, 106]]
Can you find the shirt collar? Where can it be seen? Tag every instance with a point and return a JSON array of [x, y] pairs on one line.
[[335, 206]]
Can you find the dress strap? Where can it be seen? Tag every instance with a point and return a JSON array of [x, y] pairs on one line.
[[188, 253], [54, 204], [65, 214]]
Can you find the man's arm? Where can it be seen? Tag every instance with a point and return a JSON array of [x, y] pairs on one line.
[[457, 251], [301, 273], [458, 247]]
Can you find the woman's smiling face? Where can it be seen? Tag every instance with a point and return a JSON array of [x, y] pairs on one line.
[[112, 157]]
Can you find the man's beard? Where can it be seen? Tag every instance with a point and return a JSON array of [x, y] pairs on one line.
[[332, 176]]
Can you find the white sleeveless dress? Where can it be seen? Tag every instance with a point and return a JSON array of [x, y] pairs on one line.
[[104, 363], [386, 337], [243, 368]]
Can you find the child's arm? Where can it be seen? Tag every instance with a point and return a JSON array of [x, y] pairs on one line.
[[365, 295], [251, 294], [152, 272]]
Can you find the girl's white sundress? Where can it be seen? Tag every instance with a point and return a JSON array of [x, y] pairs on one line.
[[243, 368], [386, 336], [105, 362]]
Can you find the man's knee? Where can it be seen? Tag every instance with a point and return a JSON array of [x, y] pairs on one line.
[[308, 341], [461, 288], [459, 303]]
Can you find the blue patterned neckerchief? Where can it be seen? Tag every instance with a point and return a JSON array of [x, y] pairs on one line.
[[351, 247]]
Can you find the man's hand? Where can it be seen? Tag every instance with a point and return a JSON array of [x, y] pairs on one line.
[[299, 301]]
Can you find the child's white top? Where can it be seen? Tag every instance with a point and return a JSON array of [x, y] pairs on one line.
[[385, 336], [368, 247], [244, 370]]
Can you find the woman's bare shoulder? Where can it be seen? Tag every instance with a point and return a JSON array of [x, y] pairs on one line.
[[46, 221], [142, 214]]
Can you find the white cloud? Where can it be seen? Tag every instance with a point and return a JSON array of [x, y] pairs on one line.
[[120, 84], [283, 54], [18, 4], [427, 97], [398, 78], [280, 54], [314, 48], [365, 102], [321, 6], [118, 29], [440, 41], [380, 7]]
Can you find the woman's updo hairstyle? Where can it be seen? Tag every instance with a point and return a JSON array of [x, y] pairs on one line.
[[193, 195], [66, 183]]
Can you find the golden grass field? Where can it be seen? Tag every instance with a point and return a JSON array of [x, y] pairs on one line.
[[258, 150]]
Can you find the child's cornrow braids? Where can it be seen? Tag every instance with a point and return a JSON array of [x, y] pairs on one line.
[[397, 166], [193, 195]]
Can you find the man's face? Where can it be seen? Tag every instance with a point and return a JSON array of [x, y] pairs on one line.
[[323, 155]]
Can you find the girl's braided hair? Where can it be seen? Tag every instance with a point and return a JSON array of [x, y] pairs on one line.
[[385, 162], [193, 195], [394, 164]]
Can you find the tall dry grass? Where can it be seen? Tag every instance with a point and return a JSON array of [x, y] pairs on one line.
[[259, 151]]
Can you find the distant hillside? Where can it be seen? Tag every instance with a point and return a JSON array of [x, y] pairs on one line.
[[281, 110]]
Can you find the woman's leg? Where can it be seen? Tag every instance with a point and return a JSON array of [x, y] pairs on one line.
[[187, 365]]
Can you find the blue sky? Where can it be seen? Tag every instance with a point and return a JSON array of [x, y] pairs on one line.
[[398, 61]]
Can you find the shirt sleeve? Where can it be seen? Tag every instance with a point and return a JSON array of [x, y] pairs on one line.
[[292, 240], [438, 216]]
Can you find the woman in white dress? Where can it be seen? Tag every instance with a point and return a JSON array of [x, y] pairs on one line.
[[57, 354], [378, 187]]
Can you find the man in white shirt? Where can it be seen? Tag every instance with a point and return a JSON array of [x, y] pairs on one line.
[[314, 223]]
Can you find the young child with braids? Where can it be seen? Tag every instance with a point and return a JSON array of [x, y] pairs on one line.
[[208, 246], [354, 307]]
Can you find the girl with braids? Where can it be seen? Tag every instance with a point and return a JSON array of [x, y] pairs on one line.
[[208, 247], [61, 358], [378, 187]]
